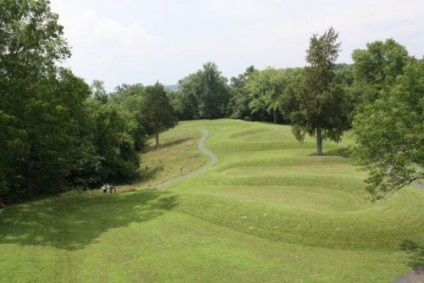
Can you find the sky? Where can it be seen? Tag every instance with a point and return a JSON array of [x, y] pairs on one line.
[[149, 41]]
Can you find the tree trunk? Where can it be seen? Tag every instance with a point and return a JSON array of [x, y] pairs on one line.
[[275, 117], [319, 141], [156, 139], [30, 180]]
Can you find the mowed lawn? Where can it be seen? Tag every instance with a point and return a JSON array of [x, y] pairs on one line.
[[268, 211]]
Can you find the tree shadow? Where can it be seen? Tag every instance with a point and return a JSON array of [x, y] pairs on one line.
[[415, 251], [151, 147], [150, 173], [73, 222], [344, 152]]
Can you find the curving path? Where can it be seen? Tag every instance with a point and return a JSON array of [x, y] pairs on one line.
[[214, 159], [418, 185], [201, 147]]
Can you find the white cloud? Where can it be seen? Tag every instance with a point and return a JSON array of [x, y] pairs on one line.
[[91, 29], [144, 41], [108, 49], [235, 8]]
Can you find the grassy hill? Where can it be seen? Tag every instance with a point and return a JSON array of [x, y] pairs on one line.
[[268, 211]]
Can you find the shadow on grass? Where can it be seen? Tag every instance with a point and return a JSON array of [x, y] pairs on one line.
[[73, 222], [147, 174], [415, 251], [169, 144], [341, 152]]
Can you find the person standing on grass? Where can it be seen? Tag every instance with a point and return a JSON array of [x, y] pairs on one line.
[[1, 203]]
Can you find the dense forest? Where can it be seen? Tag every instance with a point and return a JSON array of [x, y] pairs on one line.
[[59, 133]]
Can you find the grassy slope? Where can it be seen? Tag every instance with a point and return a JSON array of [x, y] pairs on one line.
[[268, 211]]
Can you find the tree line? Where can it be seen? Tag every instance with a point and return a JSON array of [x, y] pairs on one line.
[[59, 133]]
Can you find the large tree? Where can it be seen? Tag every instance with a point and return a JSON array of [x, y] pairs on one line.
[[204, 94], [129, 100], [390, 133], [188, 97], [37, 133], [264, 88], [53, 135], [318, 106], [157, 110], [106, 141], [240, 100]]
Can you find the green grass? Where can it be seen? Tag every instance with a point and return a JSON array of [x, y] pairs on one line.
[[268, 211], [177, 155]]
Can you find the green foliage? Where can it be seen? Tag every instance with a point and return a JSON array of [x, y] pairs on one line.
[[113, 144], [240, 100], [53, 136], [129, 100], [157, 111], [31, 39], [189, 97], [263, 88], [98, 91], [389, 87], [389, 134], [38, 125], [204, 94], [377, 67], [318, 105]]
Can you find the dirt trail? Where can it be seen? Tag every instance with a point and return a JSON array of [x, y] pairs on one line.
[[201, 147]]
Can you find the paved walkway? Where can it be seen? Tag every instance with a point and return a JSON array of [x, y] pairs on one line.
[[214, 160], [201, 147], [418, 185]]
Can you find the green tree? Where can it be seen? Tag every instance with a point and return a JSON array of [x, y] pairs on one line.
[[376, 67], [264, 88], [72, 93], [240, 100], [205, 94], [54, 135], [390, 134], [37, 128], [157, 110], [214, 96], [98, 91], [114, 144], [319, 106], [129, 100], [189, 97]]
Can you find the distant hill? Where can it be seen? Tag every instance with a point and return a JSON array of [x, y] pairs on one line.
[[171, 87]]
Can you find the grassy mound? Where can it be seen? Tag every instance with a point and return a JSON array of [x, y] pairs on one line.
[[269, 186], [268, 211]]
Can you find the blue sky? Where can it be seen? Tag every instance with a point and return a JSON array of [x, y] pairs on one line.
[[144, 41]]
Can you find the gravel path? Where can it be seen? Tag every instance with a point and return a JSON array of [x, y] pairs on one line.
[[214, 160], [201, 147], [418, 185]]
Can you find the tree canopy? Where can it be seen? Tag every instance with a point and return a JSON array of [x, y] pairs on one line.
[[39, 128], [204, 94], [57, 132], [390, 132], [157, 110], [264, 88], [317, 105], [376, 67]]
